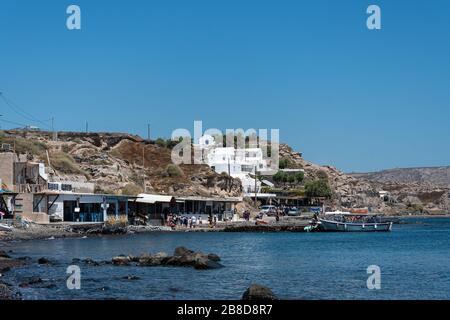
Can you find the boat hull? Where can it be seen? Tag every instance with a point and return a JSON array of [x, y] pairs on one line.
[[335, 226], [4, 227]]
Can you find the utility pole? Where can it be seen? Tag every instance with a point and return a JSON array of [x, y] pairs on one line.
[[256, 197], [148, 132], [53, 129], [143, 167], [87, 127], [229, 176]]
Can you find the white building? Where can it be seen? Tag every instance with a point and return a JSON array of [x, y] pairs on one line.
[[238, 163]]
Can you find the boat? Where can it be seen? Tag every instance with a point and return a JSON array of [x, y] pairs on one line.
[[4, 227], [350, 222]]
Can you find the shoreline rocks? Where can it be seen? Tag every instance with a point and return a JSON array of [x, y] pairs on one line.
[[182, 257], [259, 292], [43, 261]]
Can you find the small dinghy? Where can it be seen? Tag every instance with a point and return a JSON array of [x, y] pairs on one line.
[[4, 227]]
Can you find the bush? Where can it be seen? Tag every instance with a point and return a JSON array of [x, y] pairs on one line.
[[101, 190], [174, 171], [161, 142], [131, 189], [284, 163], [322, 175], [283, 177], [66, 148], [291, 178], [22, 145], [299, 176], [64, 163], [415, 207], [318, 188]]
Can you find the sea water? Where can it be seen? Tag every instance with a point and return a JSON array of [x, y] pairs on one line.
[[414, 262]]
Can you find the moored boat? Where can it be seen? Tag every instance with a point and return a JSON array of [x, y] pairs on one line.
[[4, 227], [349, 222]]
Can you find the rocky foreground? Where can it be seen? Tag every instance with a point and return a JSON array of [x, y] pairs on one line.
[[6, 264], [182, 257]]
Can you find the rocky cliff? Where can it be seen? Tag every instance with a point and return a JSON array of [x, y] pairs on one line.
[[356, 191], [437, 176], [119, 163]]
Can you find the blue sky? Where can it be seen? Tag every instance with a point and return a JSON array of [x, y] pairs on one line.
[[343, 95]]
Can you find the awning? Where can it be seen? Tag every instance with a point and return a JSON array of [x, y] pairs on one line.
[[153, 198], [268, 183], [198, 198]]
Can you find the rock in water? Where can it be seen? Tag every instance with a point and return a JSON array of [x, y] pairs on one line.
[[182, 251], [43, 261], [149, 260], [258, 292], [213, 257], [120, 261], [30, 281], [5, 292], [3, 254], [131, 277]]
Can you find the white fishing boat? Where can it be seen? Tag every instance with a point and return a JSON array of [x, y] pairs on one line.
[[4, 227], [350, 222]]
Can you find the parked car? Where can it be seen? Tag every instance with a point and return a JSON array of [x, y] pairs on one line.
[[294, 212], [268, 210]]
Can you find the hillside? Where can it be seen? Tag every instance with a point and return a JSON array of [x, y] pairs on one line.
[[127, 164], [356, 190], [119, 163], [438, 176]]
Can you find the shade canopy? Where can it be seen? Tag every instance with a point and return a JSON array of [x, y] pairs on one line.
[[153, 198]]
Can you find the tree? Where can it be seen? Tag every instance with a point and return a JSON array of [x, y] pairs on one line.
[[278, 177], [160, 142], [284, 163], [291, 178], [299, 176], [318, 188]]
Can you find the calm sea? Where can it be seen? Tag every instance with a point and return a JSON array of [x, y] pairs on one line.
[[414, 260]]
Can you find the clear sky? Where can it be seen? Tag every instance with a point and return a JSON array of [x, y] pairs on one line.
[[343, 95]]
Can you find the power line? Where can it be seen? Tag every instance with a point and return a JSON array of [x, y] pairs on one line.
[[20, 111], [14, 123]]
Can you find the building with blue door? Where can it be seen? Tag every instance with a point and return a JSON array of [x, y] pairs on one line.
[[81, 207]]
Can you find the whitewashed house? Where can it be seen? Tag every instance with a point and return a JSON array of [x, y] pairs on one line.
[[238, 163]]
